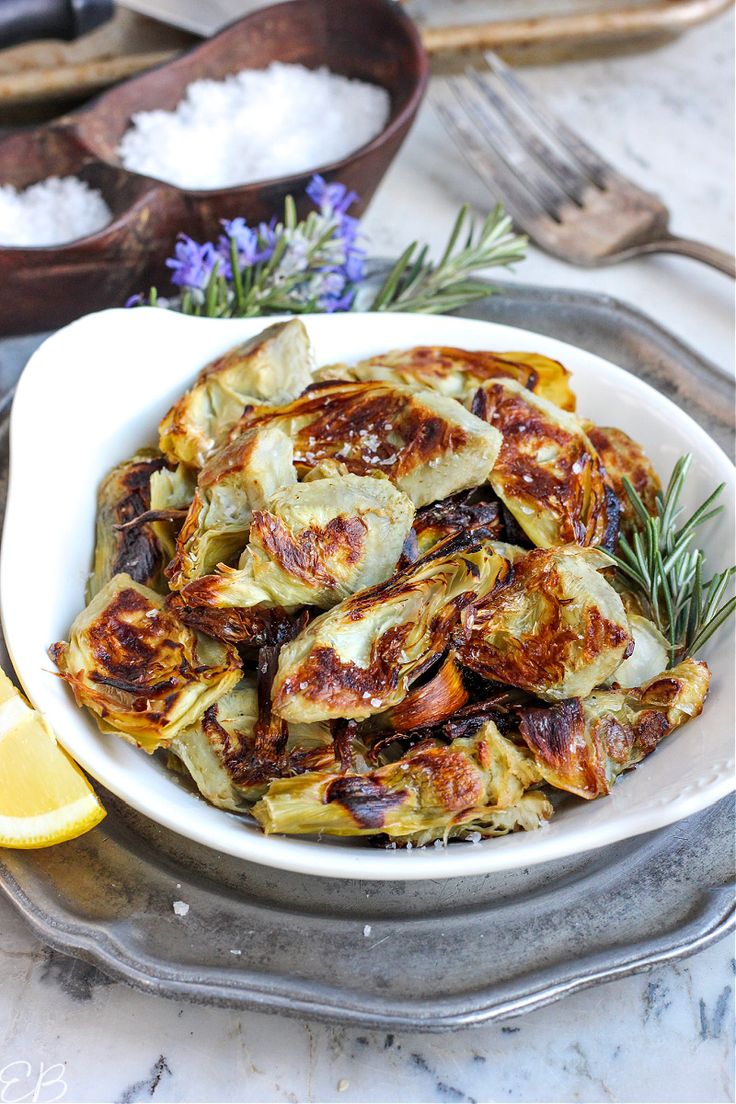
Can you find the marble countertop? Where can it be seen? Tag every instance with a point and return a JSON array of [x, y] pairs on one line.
[[67, 1032]]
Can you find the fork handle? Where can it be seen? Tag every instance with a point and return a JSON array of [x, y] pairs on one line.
[[699, 251]]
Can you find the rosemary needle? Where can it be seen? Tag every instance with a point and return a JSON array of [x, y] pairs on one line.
[[666, 573]]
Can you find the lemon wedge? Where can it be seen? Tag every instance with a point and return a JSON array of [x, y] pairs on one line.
[[44, 797]]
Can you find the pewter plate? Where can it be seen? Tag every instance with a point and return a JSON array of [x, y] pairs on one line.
[[423, 955]]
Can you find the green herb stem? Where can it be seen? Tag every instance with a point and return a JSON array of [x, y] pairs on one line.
[[666, 573]]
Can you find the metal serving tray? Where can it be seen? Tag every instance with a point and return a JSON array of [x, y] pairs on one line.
[[420, 955]]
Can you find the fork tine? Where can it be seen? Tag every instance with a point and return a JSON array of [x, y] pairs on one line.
[[496, 92], [521, 205], [588, 161], [505, 145]]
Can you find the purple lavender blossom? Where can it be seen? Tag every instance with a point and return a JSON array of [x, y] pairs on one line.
[[253, 245], [320, 263], [334, 200], [330, 198], [330, 304], [193, 264], [134, 300], [332, 290]]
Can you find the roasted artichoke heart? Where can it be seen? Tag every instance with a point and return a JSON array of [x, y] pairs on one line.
[[315, 544], [123, 497], [143, 673], [428, 445], [649, 657], [172, 491], [459, 514], [238, 479], [220, 753], [435, 791], [360, 657], [583, 745], [458, 373], [383, 599], [552, 626], [548, 473], [623, 457], [273, 367]]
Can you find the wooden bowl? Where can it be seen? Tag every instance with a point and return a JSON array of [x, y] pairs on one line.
[[373, 40]]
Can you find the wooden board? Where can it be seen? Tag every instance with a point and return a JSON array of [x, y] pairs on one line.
[[46, 74], [53, 73]]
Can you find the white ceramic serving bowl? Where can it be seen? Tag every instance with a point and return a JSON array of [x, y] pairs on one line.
[[94, 392]]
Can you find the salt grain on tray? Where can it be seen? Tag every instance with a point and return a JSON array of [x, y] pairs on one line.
[[255, 125], [51, 212]]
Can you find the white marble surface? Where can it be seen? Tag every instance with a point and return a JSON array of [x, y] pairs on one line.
[[68, 1033], [665, 119]]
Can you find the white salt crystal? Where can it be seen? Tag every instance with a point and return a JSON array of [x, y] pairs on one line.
[[181, 908], [51, 212], [255, 125], [366, 930]]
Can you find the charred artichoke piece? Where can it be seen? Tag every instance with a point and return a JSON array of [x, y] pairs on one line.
[[124, 496], [172, 491], [221, 756], [458, 373], [143, 673], [583, 745], [273, 367], [238, 479], [429, 446], [649, 657], [208, 748], [553, 626], [458, 514], [548, 473], [360, 657], [315, 544], [623, 457], [436, 791], [430, 702], [253, 628]]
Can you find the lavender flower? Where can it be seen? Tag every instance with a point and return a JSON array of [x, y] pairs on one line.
[[347, 270], [193, 264], [252, 245], [330, 198], [299, 266]]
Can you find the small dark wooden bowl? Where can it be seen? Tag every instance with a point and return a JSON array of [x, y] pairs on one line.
[[370, 39]]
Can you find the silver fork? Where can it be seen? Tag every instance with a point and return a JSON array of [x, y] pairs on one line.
[[560, 191]]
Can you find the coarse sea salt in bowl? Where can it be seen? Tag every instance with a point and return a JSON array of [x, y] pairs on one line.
[[255, 125], [53, 283], [371, 41], [54, 211]]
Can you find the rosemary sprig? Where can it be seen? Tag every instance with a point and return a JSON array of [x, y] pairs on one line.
[[415, 284], [666, 572], [317, 264]]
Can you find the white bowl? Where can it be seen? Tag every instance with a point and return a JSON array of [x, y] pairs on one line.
[[94, 392]]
